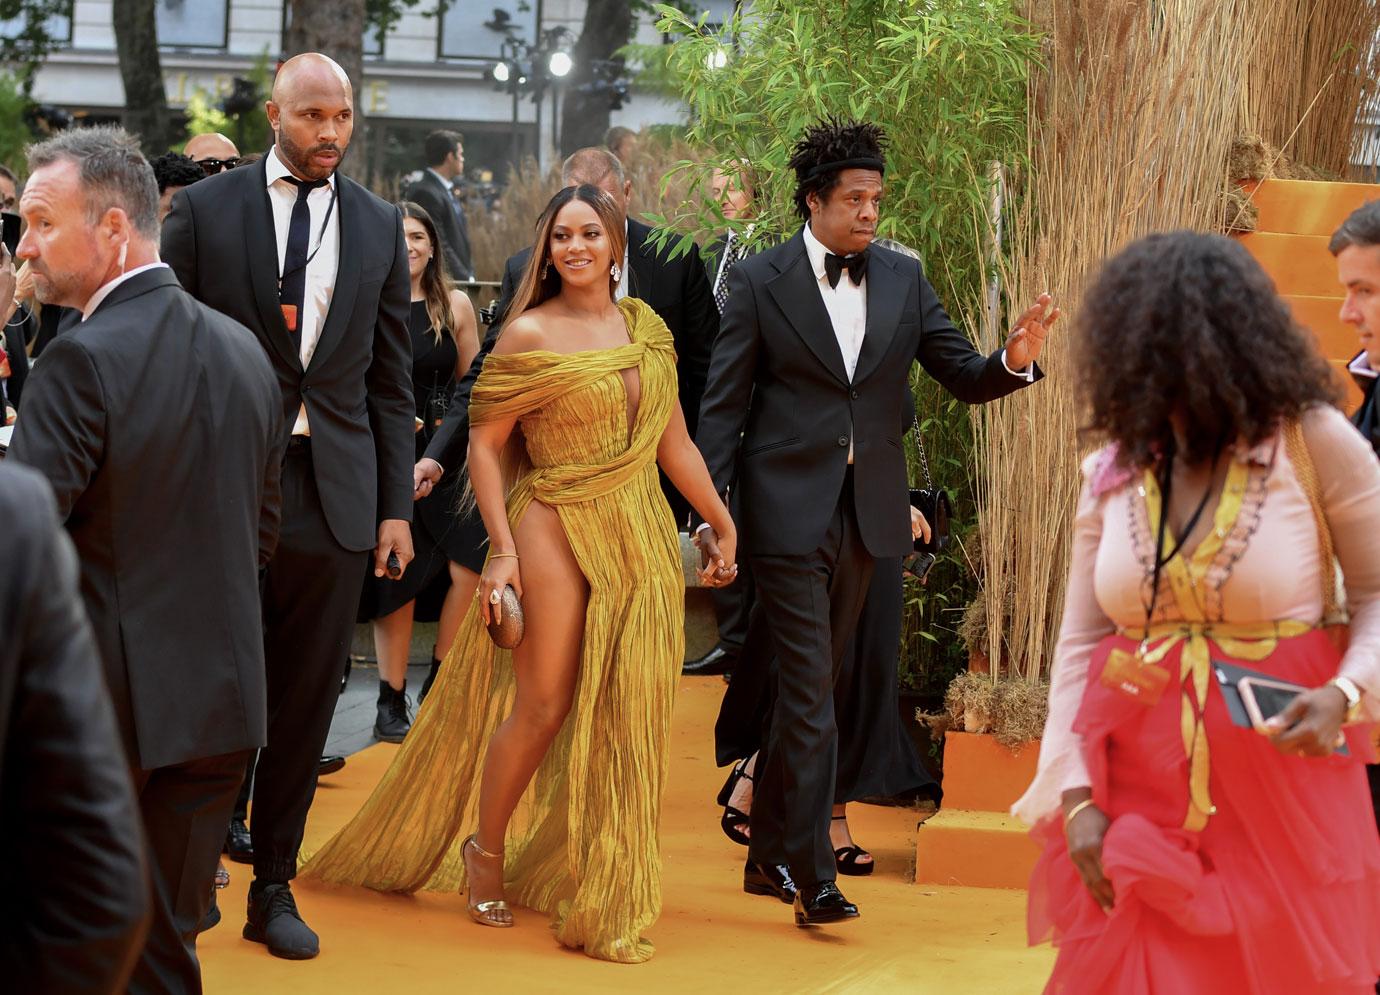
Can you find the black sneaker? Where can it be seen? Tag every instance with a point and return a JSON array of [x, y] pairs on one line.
[[393, 720], [275, 921]]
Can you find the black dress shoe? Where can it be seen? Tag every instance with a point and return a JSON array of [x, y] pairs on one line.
[[769, 879], [275, 922], [329, 765], [393, 722], [716, 661], [239, 845], [821, 904]]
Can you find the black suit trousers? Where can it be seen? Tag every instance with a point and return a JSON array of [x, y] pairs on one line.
[[810, 604], [185, 808], [311, 594]]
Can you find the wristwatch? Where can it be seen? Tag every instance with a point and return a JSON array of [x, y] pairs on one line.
[[1353, 696]]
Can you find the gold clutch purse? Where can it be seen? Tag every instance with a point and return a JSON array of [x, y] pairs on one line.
[[507, 631]]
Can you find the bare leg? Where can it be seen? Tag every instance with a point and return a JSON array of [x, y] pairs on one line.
[[392, 640], [463, 581], [741, 798], [546, 666]]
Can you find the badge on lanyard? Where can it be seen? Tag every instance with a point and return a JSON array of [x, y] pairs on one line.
[[1129, 673], [289, 316]]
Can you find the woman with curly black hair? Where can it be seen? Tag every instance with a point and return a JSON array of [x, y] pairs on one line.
[[1200, 798]]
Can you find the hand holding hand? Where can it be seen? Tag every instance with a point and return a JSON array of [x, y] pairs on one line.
[[1312, 724], [395, 537], [425, 476], [1028, 338], [718, 566]]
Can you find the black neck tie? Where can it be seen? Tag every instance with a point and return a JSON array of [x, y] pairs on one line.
[[292, 286], [856, 265]]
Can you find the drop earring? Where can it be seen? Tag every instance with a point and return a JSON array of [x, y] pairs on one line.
[[615, 272], [546, 269]]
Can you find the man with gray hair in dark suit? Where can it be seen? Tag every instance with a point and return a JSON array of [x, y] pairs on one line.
[[157, 422]]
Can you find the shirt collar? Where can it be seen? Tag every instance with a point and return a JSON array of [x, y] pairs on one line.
[[1360, 366], [275, 169], [448, 184], [100, 295]]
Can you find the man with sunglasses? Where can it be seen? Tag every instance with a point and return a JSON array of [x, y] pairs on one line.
[[213, 152]]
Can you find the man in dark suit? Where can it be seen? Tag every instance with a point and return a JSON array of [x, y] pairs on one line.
[[77, 878], [1356, 244], [157, 422], [676, 289], [435, 191], [314, 265], [801, 423]]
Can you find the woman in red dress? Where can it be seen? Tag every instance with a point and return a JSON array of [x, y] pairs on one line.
[[1183, 852]]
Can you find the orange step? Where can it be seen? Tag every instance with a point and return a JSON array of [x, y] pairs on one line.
[[1305, 207], [1336, 339], [982, 775], [973, 849], [1300, 265]]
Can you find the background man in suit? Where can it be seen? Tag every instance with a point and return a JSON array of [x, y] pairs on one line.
[[157, 422], [801, 422], [732, 189], [435, 191], [213, 152], [1356, 244], [78, 877], [314, 265], [676, 289]]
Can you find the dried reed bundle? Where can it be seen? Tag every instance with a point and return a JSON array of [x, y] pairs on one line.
[[1131, 121], [1316, 64]]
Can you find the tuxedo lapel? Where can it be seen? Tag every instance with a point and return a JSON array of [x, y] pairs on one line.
[[261, 244], [347, 272], [886, 296], [796, 292]]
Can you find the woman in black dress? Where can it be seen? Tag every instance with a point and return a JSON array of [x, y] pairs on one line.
[[448, 547]]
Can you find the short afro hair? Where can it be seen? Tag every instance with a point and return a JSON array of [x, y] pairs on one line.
[[171, 169], [832, 140]]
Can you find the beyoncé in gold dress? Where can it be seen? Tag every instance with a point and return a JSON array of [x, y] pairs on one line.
[[581, 844]]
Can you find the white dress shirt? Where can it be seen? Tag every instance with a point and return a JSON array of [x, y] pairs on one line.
[[1361, 367], [846, 304], [321, 270], [104, 291]]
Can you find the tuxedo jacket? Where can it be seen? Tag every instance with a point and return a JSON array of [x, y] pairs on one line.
[[219, 240], [1366, 418], [676, 289], [780, 412], [64, 781], [440, 203], [159, 427]]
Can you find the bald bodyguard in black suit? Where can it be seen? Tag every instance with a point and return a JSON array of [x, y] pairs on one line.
[[157, 423], [313, 264], [801, 425]]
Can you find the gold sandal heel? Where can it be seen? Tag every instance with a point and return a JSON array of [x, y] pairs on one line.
[[494, 913]]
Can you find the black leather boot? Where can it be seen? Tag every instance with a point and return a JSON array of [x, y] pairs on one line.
[[393, 720]]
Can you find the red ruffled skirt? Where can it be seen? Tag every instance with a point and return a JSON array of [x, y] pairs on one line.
[[1279, 894]]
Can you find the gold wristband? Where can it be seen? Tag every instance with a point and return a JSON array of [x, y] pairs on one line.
[[500, 556], [1085, 803]]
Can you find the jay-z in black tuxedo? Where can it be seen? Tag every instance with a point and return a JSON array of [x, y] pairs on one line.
[[802, 419]]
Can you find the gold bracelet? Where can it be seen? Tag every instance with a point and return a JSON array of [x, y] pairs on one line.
[[1085, 803], [500, 556]]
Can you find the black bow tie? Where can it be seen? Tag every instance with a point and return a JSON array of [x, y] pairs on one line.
[[856, 265]]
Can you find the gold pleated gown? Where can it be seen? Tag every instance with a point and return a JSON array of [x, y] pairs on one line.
[[583, 844]]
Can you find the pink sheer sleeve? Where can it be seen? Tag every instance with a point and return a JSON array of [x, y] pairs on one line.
[[1084, 625], [1349, 477]]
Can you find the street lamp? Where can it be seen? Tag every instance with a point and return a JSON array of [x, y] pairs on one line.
[[526, 67], [560, 64]]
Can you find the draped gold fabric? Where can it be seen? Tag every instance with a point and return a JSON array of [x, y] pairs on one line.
[[583, 844]]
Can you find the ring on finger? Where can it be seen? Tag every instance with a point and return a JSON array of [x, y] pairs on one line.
[[494, 596]]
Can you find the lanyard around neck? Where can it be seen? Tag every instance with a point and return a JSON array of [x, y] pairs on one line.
[[320, 237]]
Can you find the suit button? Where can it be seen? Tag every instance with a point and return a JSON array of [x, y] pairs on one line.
[[843, 440], [306, 388], [856, 395]]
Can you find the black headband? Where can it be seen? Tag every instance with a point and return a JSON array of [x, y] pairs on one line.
[[861, 162]]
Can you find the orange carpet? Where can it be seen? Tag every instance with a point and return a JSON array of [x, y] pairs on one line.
[[711, 936]]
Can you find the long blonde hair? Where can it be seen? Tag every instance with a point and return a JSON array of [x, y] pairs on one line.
[[540, 281], [435, 278]]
